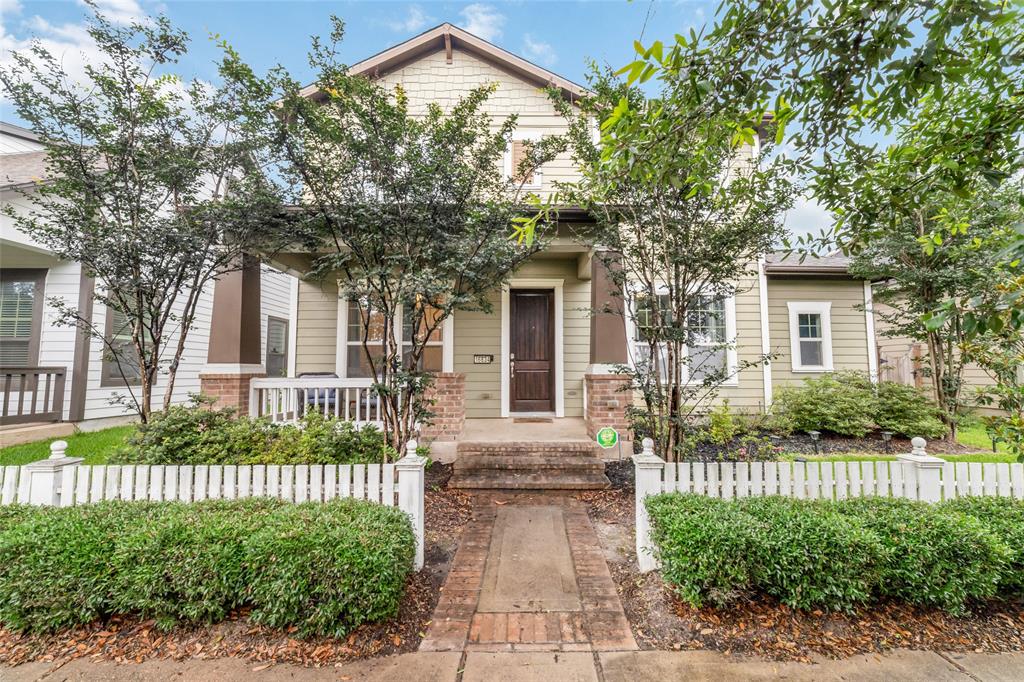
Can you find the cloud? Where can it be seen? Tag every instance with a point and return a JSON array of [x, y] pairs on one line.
[[483, 20], [807, 217], [9, 8], [539, 51], [119, 11], [415, 20]]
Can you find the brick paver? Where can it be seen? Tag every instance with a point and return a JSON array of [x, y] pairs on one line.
[[598, 625]]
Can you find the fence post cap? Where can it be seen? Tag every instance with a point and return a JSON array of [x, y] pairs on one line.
[[58, 449], [648, 459], [918, 445]]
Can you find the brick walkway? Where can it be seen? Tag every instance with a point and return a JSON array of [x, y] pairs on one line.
[[595, 623]]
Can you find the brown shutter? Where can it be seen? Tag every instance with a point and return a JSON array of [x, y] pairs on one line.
[[518, 154]]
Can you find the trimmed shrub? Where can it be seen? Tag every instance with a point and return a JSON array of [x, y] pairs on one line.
[[704, 546], [1005, 518], [906, 411], [933, 556], [842, 403], [809, 555], [322, 567], [196, 434]]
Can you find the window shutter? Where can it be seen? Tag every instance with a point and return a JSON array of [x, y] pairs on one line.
[[17, 304]]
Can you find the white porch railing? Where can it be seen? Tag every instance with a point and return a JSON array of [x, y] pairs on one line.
[[917, 476], [288, 398], [62, 481]]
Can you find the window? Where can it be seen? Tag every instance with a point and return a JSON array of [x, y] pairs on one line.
[[277, 347], [21, 313], [120, 362], [514, 156], [371, 323], [433, 352], [710, 328], [810, 331]]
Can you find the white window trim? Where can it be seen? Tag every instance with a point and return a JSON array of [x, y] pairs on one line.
[[520, 136], [558, 286], [869, 323], [731, 355], [824, 309], [341, 352]]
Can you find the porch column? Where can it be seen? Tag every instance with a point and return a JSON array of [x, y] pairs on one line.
[[606, 392], [234, 355]]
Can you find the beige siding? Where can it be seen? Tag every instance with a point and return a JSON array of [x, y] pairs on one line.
[[748, 393], [317, 318], [431, 79], [480, 333], [849, 326]]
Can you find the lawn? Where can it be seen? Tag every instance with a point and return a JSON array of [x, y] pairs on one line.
[[95, 446], [877, 457]]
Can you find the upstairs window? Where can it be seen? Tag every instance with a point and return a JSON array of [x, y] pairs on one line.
[[810, 331], [514, 156]]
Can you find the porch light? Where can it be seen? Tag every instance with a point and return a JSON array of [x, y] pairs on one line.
[[887, 439], [815, 437]]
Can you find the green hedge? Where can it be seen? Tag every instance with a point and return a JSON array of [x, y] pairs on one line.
[[836, 555], [322, 567], [196, 434]]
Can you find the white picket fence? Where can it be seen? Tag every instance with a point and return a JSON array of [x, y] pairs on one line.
[[917, 476], [64, 482]]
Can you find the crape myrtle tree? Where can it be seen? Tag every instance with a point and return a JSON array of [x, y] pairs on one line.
[[685, 211], [407, 207], [150, 186]]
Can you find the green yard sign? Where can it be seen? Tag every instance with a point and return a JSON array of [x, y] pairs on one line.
[[607, 437]]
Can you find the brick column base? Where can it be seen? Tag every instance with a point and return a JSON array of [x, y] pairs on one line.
[[606, 403], [449, 395], [228, 390]]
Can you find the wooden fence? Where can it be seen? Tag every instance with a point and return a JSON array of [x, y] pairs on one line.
[[62, 481], [917, 476], [31, 394]]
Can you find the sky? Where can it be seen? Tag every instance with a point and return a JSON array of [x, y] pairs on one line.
[[562, 36]]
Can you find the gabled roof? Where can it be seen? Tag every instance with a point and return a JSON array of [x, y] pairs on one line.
[[22, 169], [447, 37], [786, 263], [17, 131]]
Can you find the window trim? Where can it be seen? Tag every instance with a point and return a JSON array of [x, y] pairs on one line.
[[287, 339], [38, 277], [824, 309], [111, 381], [731, 354], [524, 136], [341, 351]]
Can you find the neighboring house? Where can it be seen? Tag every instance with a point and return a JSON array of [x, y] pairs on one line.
[[29, 340], [809, 315]]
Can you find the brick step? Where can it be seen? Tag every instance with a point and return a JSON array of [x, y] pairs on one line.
[[472, 462], [520, 480], [532, 447]]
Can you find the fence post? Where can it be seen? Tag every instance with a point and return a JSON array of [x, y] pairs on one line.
[[410, 493], [648, 469], [923, 472], [45, 475]]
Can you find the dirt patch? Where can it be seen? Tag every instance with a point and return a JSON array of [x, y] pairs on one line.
[[135, 640], [763, 626]]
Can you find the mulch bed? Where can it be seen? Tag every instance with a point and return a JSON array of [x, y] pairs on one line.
[[134, 640], [762, 626]]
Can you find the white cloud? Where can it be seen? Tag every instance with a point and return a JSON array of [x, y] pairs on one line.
[[539, 51], [483, 20], [9, 8], [414, 20], [807, 217], [119, 11]]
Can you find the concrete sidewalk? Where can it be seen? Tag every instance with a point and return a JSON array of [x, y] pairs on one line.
[[541, 667]]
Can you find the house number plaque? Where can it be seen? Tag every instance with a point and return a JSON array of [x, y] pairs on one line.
[[483, 359]]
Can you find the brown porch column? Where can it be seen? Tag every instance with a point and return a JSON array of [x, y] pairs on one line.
[[234, 355], [607, 396]]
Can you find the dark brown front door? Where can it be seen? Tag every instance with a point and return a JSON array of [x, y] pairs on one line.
[[532, 350]]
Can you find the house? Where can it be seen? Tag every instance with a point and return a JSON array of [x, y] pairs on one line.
[[809, 314], [75, 378]]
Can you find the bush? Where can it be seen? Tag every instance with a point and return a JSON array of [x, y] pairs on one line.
[[722, 426], [848, 404], [836, 555], [810, 555], [196, 434], [704, 546], [906, 411], [1005, 518], [321, 567], [934, 556], [841, 403]]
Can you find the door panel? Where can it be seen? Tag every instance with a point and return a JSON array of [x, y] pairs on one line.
[[532, 350]]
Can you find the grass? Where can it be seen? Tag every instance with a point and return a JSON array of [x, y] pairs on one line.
[[95, 446], [878, 456], [974, 436]]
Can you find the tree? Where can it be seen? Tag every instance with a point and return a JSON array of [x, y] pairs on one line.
[[409, 211], [150, 186], [684, 212]]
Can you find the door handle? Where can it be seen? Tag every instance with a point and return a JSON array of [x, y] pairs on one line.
[[511, 366]]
